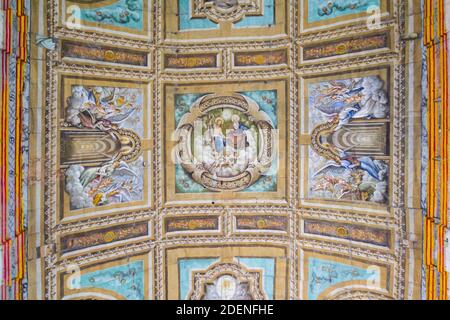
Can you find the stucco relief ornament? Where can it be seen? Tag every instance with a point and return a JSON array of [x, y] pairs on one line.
[[227, 281], [226, 10], [225, 142]]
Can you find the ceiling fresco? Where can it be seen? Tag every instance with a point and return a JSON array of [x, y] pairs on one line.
[[234, 150]]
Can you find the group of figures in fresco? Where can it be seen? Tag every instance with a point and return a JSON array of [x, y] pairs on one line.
[[352, 113], [328, 8], [105, 111], [228, 145], [224, 142]]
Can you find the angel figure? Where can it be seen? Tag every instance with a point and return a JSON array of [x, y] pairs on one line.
[[218, 137], [349, 162], [118, 184], [362, 99], [118, 168]]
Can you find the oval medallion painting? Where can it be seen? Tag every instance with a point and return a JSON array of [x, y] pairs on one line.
[[225, 142]]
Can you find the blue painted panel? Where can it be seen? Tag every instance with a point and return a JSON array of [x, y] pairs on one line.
[[186, 21], [184, 182], [267, 101], [185, 268], [183, 104], [320, 10], [267, 20], [123, 13], [325, 274], [126, 280]]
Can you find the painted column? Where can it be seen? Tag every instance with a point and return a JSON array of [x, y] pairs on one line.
[[13, 152], [436, 220], [447, 242]]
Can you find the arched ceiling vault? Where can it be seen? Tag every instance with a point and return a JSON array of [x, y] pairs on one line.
[[260, 149]]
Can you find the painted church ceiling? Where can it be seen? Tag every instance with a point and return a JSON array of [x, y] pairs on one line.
[[226, 149]]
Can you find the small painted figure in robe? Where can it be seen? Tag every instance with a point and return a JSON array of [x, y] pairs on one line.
[[237, 136], [218, 137]]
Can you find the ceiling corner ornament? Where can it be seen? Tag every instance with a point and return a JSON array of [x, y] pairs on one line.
[[227, 281], [225, 159], [226, 10]]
